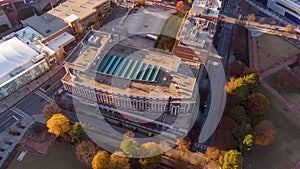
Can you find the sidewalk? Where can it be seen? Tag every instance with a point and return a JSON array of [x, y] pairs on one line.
[[24, 91]]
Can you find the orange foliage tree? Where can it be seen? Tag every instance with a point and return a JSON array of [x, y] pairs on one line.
[[264, 133], [258, 104]]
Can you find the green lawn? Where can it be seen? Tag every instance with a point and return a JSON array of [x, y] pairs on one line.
[[278, 47], [283, 153], [61, 156], [265, 63]]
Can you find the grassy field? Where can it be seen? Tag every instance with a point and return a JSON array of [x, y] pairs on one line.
[[278, 47], [265, 63], [283, 153], [61, 156]]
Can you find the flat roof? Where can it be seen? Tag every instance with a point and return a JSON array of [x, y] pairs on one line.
[[60, 40], [81, 8], [46, 24], [15, 56], [86, 51]]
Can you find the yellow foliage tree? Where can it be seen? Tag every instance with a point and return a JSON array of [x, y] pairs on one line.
[[58, 124], [152, 152], [119, 161], [101, 160]]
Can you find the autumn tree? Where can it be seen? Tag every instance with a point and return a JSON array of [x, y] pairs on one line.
[[50, 109], [261, 20], [238, 114], [58, 124], [128, 134], [264, 133], [242, 85], [179, 5], [250, 70], [236, 68], [213, 153], [77, 133], [251, 17], [258, 104], [119, 161], [183, 144], [273, 22], [242, 130], [129, 147], [289, 28], [139, 2], [231, 159], [101, 160], [247, 143], [251, 80], [85, 151], [151, 155]]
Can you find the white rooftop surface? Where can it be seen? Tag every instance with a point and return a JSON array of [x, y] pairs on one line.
[[14, 54], [27, 35], [60, 40]]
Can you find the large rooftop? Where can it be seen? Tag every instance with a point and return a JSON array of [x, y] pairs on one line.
[[129, 70], [81, 8], [15, 56], [46, 24]]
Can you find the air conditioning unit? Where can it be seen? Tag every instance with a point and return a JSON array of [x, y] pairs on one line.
[[39, 57]]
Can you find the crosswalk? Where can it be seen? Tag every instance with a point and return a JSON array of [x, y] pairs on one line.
[[44, 96], [19, 112]]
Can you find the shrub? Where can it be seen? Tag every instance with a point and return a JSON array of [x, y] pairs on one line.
[[8, 142], [120, 124], [134, 129], [19, 125], [13, 132], [150, 134]]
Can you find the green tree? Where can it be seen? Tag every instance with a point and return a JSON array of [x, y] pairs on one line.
[[58, 124], [77, 133], [151, 155], [238, 113], [242, 130], [232, 159], [129, 146], [264, 133], [101, 160], [258, 104], [119, 161]]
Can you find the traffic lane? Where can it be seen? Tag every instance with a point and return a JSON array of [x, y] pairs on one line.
[[32, 104], [51, 92], [53, 80], [6, 115], [5, 124]]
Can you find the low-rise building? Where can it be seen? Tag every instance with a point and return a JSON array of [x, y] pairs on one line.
[[25, 55], [143, 87], [288, 8]]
